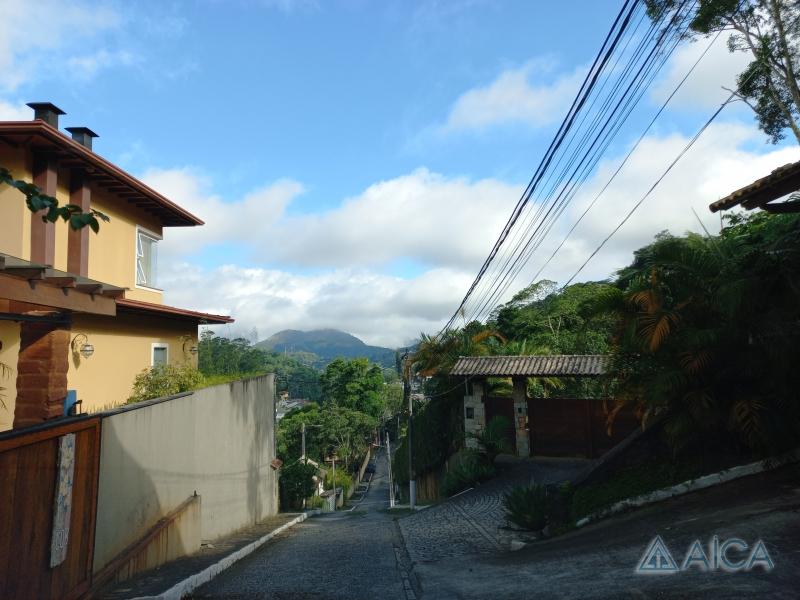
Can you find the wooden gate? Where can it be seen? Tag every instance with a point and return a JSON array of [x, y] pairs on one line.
[[28, 474], [502, 406], [575, 427]]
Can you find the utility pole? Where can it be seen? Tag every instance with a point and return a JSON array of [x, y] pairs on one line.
[[303, 442], [412, 484], [391, 481]]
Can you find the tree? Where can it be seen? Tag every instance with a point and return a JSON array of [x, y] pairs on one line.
[[708, 332], [355, 384], [37, 201], [768, 30]]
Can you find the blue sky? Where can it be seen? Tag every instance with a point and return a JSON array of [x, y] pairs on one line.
[[355, 159]]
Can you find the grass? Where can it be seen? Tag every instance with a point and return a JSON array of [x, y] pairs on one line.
[[630, 482]]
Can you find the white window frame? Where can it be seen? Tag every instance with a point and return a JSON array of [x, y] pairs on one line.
[[153, 347], [157, 238]]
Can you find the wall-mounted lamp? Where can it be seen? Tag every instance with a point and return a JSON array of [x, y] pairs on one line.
[[81, 345], [193, 349]]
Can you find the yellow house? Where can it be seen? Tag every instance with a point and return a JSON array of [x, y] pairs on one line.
[[81, 311]]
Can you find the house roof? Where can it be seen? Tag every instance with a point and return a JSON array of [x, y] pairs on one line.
[[137, 306], [41, 136], [782, 181], [564, 365]]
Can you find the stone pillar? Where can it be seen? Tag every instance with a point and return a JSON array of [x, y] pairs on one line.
[[41, 373], [474, 413], [520, 396]]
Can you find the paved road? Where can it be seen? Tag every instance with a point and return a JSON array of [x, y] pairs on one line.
[[599, 561], [353, 555], [475, 522]]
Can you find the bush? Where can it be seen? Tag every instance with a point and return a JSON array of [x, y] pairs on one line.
[[165, 380], [535, 506], [473, 468], [296, 483], [343, 479], [493, 439]]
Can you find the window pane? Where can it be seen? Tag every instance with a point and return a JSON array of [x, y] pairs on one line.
[[146, 258], [159, 356]]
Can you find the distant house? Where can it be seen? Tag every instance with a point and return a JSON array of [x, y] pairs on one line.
[[80, 311]]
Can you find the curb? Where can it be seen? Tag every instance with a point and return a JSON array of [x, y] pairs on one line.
[[693, 485], [191, 583]]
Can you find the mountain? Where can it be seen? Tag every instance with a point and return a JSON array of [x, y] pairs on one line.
[[326, 345]]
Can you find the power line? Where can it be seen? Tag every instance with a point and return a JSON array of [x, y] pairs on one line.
[[610, 43], [653, 187], [649, 67]]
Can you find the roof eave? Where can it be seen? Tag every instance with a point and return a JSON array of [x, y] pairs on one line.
[[183, 217]]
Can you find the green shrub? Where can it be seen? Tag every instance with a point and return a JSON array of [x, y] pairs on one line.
[[535, 506], [473, 468], [165, 380], [296, 483], [493, 439], [343, 479], [631, 482], [315, 502]]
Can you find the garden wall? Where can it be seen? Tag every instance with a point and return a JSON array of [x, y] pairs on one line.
[[217, 442]]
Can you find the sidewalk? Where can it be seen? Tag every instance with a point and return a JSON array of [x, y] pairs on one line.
[[158, 582]]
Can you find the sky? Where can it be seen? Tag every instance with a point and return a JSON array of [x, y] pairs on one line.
[[354, 160]]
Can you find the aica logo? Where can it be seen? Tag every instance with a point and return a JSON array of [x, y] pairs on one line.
[[731, 555]]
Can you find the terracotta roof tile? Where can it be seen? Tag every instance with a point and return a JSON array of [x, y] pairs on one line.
[[570, 365]]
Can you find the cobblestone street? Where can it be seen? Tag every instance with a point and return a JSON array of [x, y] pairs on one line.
[[474, 522], [348, 554]]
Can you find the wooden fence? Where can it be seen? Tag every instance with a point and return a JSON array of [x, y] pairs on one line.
[[28, 477]]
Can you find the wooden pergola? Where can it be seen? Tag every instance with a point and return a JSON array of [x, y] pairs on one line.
[[541, 426]]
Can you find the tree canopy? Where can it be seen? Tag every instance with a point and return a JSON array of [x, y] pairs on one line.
[[354, 384], [767, 30]]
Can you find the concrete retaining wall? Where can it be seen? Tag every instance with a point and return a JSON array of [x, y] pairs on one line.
[[218, 442]]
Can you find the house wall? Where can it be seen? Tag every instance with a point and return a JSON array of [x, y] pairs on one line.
[[9, 338], [112, 252], [15, 218], [218, 442], [122, 349]]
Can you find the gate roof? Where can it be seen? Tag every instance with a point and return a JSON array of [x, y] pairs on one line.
[[562, 365]]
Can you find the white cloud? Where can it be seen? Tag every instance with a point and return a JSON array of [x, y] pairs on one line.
[[422, 216], [378, 308], [527, 95], [717, 165], [34, 34], [85, 67], [13, 111], [704, 88], [246, 220], [446, 223]]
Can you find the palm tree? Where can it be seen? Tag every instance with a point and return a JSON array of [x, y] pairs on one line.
[[706, 329]]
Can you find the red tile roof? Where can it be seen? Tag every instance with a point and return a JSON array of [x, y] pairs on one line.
[[40, 135], [137, 306]]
